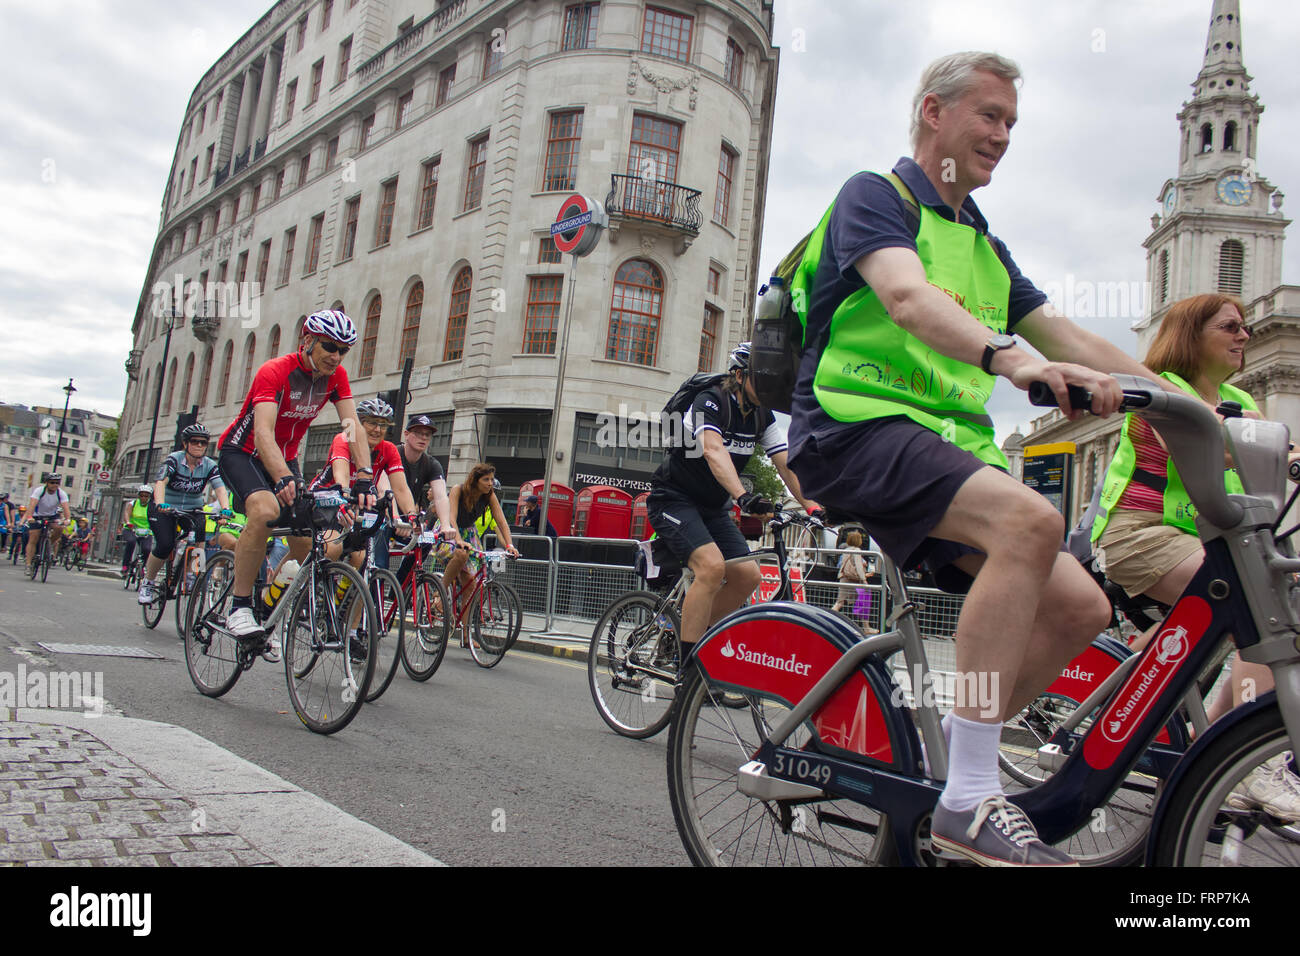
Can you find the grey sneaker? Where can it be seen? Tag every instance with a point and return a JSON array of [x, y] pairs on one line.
[[995, 833]]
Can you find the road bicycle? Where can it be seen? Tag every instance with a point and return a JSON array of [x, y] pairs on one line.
[[180, 571], [387, 593], [488, 611], [833, 770], [135, 570], [423, 646], [71, 558], [326, 620], [635, 651], [41, 560]]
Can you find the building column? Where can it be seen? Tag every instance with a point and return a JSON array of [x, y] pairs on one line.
[[242, 115], [270, 82]]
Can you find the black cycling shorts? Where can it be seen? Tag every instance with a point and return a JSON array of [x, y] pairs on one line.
[[685, 526], [167, 526], [244, 475]]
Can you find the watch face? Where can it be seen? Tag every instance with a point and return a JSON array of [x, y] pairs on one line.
[[1171, 199], [1234, 190], [1001, 341]]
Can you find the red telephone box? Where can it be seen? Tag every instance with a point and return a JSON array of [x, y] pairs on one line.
[[560, 509], [600, 511], [641, 529]]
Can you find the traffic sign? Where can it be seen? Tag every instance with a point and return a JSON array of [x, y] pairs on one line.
[[105, 475], [578, 226]]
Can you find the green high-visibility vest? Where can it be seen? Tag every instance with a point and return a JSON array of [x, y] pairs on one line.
[[873, 368], [1178, 508], [139, 518]]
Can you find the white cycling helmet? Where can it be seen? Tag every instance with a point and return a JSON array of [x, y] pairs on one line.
[[739, 359], [331, 323], [144, 490], [375, 408]]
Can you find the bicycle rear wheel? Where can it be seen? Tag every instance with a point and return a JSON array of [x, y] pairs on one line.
[[212, 656], [494, 624], [424, 645], [631, 635], [720, 826], [390, 606], [329, 648]]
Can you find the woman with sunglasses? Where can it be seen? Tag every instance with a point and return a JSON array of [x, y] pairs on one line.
[[1145, 533], [179, 489]]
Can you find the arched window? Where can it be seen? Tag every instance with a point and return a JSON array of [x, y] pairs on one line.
[[1207, 138], [634, 313], [189, 380], [274, 349], [458, 315], [145, 396], [411, 327], [226, 358], [249, 349], [1162, 280], [207, 377], [171, 389], [1232, 256], [370, 342], [1230, 137]]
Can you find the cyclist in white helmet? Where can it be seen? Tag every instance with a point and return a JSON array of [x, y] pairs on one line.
[[259, 451]]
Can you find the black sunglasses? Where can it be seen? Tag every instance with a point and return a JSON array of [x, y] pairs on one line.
[[334, 348]]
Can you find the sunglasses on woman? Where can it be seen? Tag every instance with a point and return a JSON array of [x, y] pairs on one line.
[[1233, 327]]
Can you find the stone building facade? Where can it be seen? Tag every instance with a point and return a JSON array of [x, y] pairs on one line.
[[403, 161]]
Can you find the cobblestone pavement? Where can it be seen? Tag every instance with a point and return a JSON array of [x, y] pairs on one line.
[[66, 799]]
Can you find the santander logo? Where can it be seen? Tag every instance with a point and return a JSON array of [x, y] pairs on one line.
[[788, 664], [1173, 647]]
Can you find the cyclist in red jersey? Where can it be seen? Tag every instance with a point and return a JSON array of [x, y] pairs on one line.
[[259, 451], [376, 416]]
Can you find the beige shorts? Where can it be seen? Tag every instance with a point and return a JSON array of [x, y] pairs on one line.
[[1137, 549]]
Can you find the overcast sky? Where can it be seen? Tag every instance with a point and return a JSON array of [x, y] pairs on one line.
[[93, 94]]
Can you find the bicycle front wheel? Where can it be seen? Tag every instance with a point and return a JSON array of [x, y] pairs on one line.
[[153, 612], [390, 606], [1240, 804], [329, 648], [494, 625], [424, 645], [630, 644], [211, 655], [720, 826]]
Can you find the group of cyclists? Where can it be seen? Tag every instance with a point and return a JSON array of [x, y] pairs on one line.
[[906, 277], [48, 507]]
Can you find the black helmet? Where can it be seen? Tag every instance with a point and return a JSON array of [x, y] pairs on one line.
[[194, 431]]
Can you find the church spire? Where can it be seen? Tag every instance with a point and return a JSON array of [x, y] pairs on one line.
[[1223, 44]]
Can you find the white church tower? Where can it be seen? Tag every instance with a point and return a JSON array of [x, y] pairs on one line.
[[1220, 226]]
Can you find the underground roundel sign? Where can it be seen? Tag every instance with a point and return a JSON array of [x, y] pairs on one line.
[[578, 226]]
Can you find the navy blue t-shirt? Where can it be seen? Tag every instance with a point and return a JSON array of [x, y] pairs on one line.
[[869, 215]]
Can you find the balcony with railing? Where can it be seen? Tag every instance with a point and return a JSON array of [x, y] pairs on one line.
[[654, 201], [410, 41]]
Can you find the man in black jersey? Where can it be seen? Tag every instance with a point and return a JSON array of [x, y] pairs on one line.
[[426, 479], [691, 492]]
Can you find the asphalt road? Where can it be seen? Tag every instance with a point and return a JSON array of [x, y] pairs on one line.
[[509, 766]]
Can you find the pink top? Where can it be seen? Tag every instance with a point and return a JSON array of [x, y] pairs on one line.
[[1151, 458]]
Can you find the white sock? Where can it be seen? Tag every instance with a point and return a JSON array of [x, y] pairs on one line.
[[972, 763]]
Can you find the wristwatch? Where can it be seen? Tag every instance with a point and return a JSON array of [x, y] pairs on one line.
[[995, 344]]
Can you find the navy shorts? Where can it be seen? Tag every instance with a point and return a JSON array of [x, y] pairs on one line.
[[685, 526], [898, 478]]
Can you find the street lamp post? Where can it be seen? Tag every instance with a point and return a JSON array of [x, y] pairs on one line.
[[170, 317], [58, 448]]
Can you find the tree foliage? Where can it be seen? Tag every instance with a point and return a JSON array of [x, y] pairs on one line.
[[108, 442], [767, 482]]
